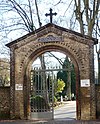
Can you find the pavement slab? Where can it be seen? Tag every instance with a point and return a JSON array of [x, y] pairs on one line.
[[48, 122]]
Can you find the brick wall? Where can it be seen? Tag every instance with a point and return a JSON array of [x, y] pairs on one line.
[[4, 102], [98, 101]]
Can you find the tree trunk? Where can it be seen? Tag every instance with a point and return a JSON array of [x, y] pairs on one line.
[[69, 82]]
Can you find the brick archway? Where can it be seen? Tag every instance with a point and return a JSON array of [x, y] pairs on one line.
[[37, 53], [53, 38]]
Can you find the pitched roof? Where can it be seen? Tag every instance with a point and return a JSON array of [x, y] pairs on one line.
[[51, 25]]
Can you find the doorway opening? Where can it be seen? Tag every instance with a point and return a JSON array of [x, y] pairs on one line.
[[53, 87]]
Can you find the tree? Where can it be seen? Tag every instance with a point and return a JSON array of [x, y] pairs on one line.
[[22, 17], [73, 80], [16, 17], [86, 12], [68, 76], [4, 72], [59, 86]]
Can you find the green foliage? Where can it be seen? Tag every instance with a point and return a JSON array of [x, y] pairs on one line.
[[39, 103], [73, 80], [5, 115], [55, 99], [59, 86], [63, 75]]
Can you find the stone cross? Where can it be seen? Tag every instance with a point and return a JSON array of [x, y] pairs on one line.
[[51, 15]]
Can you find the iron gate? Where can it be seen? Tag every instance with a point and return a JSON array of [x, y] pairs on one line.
[[42, 93]]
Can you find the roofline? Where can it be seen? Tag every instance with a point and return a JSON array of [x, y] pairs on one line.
[[56, 26]]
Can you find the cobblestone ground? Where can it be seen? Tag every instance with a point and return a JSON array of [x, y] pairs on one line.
[[48, 122]]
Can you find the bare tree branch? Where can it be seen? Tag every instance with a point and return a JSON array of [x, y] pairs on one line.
[[68, 7], [30, 9], [59, 60], [58, 2], [40, 24], [79, 15]]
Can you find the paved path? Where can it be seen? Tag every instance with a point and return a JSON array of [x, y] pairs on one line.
[[50, 122], [67, 111]]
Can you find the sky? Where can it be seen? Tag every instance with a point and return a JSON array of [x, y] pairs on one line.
[[50, 61]]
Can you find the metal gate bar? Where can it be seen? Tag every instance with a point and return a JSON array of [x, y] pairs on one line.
[[42, 93]]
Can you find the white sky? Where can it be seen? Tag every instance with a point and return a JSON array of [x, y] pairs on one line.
[[50, 61]]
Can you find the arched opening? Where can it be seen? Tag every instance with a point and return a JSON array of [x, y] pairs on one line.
[[27, 78]]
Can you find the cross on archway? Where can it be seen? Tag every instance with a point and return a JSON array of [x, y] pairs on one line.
[[51, 15]]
